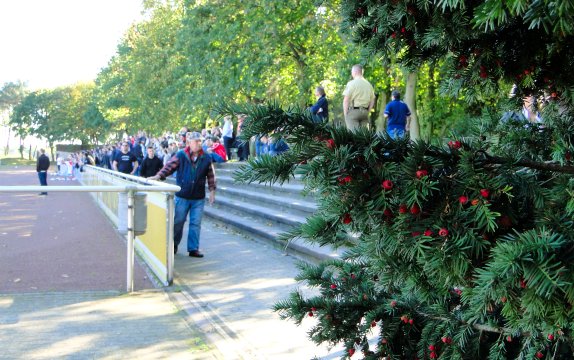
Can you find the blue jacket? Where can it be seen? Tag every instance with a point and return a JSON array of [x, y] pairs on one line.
[[191, 177], [321, 103]]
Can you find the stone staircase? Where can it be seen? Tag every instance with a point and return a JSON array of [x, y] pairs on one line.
[[264, 211]]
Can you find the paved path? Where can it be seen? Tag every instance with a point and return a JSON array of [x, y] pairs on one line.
[[58, 242], [232, 290]]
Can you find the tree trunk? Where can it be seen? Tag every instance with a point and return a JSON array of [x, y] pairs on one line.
[[431, 97], [411, 101], [7, 149]]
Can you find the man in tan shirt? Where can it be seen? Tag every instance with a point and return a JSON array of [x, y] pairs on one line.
[[359, 99]]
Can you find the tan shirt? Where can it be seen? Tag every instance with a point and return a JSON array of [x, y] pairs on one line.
[[360, 92]]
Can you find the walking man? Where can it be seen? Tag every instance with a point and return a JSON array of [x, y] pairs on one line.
[[194, 168], [398, 116], [125, 162], [359, 99], [42, 166]]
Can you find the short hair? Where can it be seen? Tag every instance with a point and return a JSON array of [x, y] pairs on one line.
[[42, 151], [320, 90], [150, 147], [396, 94], [358, 67]]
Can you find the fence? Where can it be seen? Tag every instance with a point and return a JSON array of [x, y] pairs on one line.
[[155, 247]]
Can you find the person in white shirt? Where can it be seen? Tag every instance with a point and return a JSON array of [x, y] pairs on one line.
[[228, 135]]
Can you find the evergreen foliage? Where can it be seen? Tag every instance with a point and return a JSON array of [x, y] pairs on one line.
[[458, 251]]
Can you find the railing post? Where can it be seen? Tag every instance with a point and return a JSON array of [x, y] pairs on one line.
[[169, 221], [131, 237]]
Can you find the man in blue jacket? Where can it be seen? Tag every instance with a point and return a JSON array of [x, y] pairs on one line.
[[398, 116], [194, 168]]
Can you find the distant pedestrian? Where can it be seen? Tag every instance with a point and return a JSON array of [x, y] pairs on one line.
[[42, 166], [359, 99], [228, 135], [151, 164], [194, 168], [398, 116]]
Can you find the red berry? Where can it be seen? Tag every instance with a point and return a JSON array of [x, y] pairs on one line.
[[523, 283], [383, 341], [345, 180], [550, 337], [475, 202], [443, 232], [509, 338], [415, 209], [446, 340], [393, 303], [313, 309], [353, 276], [455, 144], [503, 299], [483, 75], [394, 35], [462, 199], [333, 286], [388, 213], [330, 143], [539, 355], [428, 232], [403, 209], [387, 185], [485, 193], [347, 218], [416, 233], [433, 355], [421, 173], [432, 347], [310, 314], [373, 323], [403, 30], [411, 321], [554, 95], [351, 352]]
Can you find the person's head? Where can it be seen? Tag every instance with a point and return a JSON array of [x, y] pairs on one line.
[[356, 71], [319, 91], [215, 139], [125, 147], [42, 151], [396, 95], [209, 141], [204, 132], [150, 152], [193, 141]]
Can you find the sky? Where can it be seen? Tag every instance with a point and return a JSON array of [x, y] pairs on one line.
[[51, 43]]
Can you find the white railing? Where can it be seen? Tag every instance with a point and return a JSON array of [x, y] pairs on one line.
[[150, 186]]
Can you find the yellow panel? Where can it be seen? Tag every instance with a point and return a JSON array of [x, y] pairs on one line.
[[155, 236]]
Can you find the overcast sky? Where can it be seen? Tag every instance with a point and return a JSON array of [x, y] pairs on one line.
[[49, 43]]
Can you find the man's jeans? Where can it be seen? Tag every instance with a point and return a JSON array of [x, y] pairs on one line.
[[195, 210], [43, 176]]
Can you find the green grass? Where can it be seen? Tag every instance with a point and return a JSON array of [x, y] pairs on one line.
[[16, 161]]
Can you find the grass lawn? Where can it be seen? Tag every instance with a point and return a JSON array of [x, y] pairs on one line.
[[16, 161]]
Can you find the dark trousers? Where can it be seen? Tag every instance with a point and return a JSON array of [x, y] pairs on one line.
[[243, 150], [228, 144], [43, 176]]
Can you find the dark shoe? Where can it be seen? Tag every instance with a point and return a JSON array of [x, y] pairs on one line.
[[196, 254], [175, 250]]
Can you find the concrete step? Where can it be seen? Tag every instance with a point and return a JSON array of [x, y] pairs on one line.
[[286, 189], [295, 206], [268, 231], [270, 213], [229, 171]]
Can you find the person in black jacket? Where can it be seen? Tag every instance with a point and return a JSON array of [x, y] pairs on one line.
[[42, 166], [151, 164]]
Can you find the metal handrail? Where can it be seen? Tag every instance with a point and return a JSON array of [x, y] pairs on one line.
[[149, 186]]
